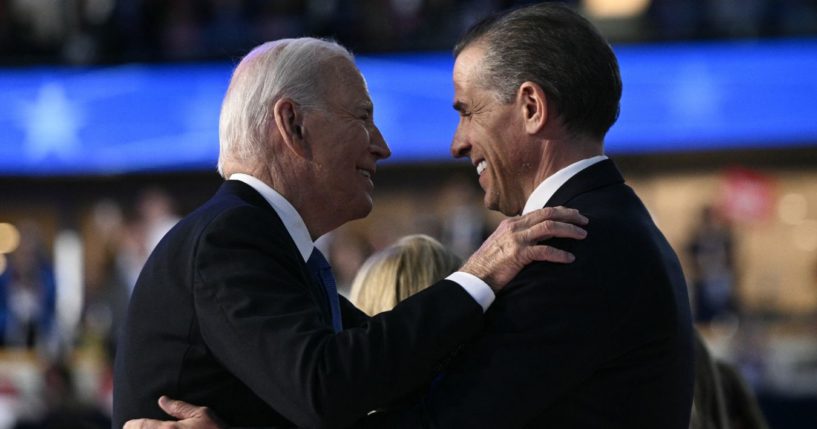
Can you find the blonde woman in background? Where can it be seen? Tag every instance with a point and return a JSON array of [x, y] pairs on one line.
[[399, 271]]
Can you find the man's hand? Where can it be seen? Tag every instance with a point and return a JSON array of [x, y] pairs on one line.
[[190, 417], [514, 244]]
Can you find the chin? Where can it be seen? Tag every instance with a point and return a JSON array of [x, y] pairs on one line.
[[492, 203], [362, 209], [498, 207], [511, 211]]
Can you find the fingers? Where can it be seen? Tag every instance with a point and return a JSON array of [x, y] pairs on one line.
[[549, 229], [550, 254], [560, 214], [147, 424], [178, 409]]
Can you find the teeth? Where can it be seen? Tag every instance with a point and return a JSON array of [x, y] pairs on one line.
[[365, 173], [481, 167]]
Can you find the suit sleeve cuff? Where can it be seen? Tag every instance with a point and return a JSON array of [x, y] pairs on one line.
[[478, 289]]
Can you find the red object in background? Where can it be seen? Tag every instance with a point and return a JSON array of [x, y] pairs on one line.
[[747, 196], [8, 388]]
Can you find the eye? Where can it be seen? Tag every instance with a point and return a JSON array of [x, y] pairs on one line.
[[365, 115]]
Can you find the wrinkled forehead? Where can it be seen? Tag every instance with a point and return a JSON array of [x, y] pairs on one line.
[[345, 83], [346, 72]]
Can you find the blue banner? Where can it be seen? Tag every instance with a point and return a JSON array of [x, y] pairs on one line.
[[682, 97]]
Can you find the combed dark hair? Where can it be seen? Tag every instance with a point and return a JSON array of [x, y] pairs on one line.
[[558, 49]]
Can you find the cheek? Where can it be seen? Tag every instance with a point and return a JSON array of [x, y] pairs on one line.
[[364, 136], [486, 134], [491, 146], [354, 139], [367, 135]]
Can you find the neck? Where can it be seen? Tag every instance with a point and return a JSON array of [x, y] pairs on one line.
[[559, 153], [287, 181], [296, 189]]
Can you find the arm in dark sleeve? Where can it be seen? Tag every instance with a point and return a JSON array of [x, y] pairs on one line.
[[259, 319], [352, 316], [533, 349]]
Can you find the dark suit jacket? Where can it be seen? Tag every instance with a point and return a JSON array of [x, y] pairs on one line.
[[225, 314], [604, 342]]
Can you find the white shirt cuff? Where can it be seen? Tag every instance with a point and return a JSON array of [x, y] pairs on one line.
[[478, 289]]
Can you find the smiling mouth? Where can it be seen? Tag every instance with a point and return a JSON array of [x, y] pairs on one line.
[[365, 173], [481, 166]]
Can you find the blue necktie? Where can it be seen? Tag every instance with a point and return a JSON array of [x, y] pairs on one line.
[[322, 272]]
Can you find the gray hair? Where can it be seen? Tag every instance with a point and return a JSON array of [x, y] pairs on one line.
[[293, 68], [558, 49]]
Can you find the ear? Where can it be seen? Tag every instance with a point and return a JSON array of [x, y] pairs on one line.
[[533, 103], [289, 121]]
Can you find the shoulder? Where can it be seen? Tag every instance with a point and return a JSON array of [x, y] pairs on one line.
[[234, 207], [242, 225]]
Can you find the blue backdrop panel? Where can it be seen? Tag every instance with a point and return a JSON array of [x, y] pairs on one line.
[[680, 97]]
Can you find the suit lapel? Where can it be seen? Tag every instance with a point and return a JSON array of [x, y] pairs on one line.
[[251, 196], [598, 175]]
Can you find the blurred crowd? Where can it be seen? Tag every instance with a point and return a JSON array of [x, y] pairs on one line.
[[52, 373], [83, 32]]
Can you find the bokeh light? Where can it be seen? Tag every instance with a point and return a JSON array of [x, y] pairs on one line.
[[9, 238], [792, 208]]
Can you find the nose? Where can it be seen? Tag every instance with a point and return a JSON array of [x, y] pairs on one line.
[[459, 146], [378, 144]]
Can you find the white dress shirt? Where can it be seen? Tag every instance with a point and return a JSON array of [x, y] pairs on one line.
[[540, 196], [295, 226]]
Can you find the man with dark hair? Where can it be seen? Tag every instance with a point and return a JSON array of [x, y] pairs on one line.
[[605, 342], [608, 343]]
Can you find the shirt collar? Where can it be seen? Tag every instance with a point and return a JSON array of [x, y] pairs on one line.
[[289, 216], [540, 196]]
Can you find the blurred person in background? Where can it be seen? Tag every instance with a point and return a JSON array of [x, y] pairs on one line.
[[154, 217], [723, 399], [106, 293], [465, 224], [237, 310], [399, 271], [603, 342], [27, 292], [106, 285], [64, 409], [711, 251], [156, 212], [347, 251]]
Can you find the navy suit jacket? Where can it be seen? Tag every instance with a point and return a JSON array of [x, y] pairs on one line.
[[225, 314], [604, 342]]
